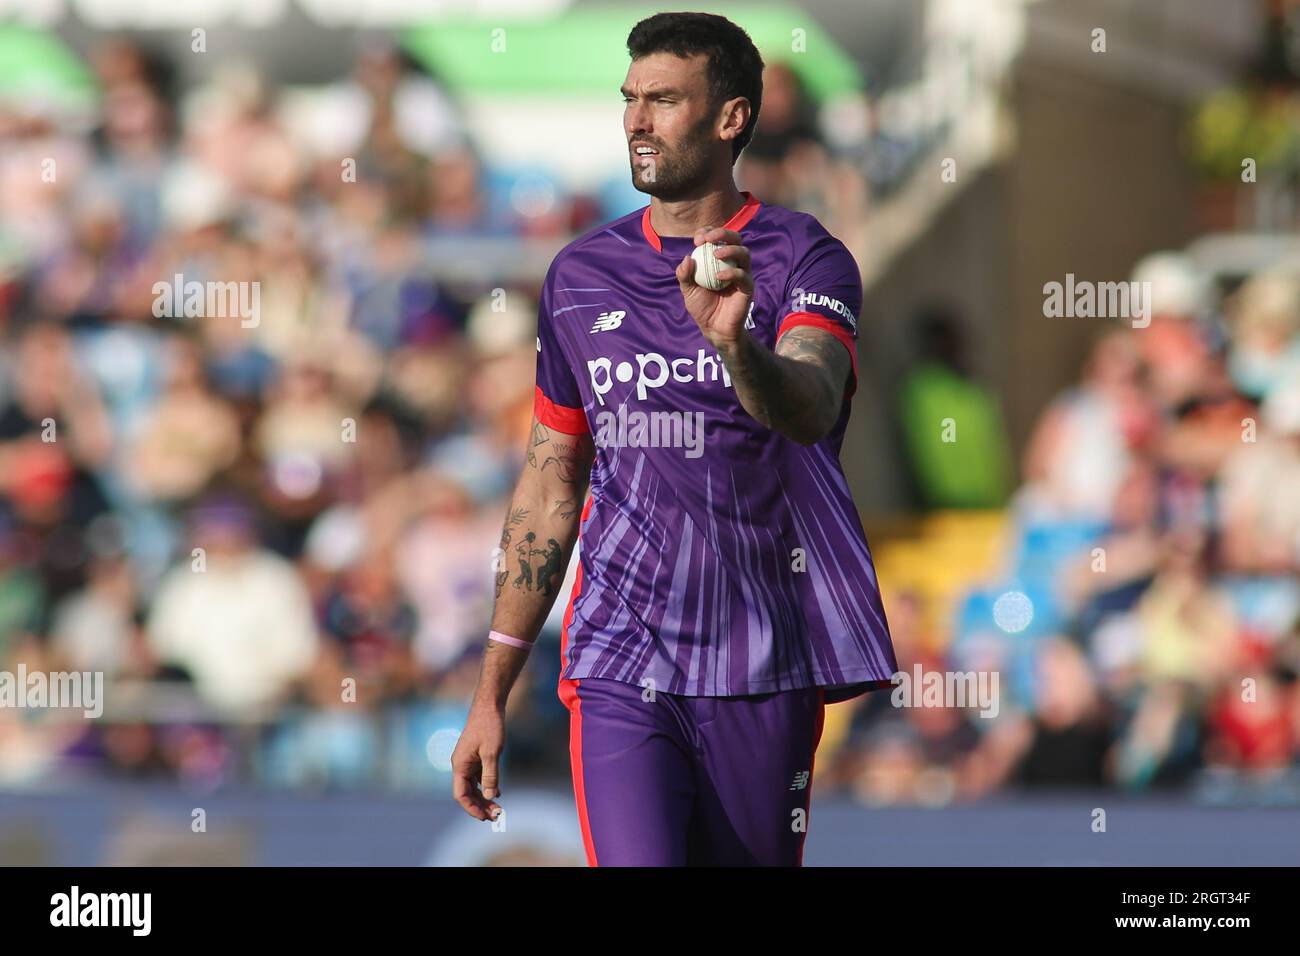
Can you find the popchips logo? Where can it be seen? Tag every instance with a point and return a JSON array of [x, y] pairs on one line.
[[653, 370]]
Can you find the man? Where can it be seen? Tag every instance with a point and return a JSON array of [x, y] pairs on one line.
[[725, 591], [242, 624]]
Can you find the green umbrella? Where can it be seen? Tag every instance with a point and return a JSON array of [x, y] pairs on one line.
[[584, 50], [37, 68]]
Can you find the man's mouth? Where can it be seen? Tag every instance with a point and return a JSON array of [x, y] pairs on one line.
[[643, 150]]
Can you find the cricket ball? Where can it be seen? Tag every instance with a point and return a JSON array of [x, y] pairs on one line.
[[708, 266]]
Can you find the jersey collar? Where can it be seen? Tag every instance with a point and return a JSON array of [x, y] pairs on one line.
[[737, 222]]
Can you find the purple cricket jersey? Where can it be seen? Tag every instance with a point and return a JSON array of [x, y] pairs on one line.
[[718, 557]]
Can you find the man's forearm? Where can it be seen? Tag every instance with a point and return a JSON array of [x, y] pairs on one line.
[[536, 545], [784, 390], [534, 552], [527, 583]]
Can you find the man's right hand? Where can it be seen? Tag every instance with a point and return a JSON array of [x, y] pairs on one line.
[[474, 761]]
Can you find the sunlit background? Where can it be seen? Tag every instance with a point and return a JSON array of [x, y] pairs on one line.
[[1113, 527]]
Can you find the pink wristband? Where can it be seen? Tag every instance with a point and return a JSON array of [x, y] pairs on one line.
[[507, 639]]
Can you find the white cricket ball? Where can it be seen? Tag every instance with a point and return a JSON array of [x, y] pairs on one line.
[[706, 272]]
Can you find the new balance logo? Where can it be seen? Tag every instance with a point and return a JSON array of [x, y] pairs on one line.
[[801, 780], [608, 321]]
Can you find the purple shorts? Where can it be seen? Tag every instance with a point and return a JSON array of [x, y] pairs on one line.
[[669, 780]]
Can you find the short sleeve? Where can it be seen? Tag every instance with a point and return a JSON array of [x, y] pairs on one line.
[[557, 402], [825, 292]]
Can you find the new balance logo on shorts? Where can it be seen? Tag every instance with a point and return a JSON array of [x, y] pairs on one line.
[[800, 780]]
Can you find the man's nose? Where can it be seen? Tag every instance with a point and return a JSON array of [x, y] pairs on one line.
[[637, 119]]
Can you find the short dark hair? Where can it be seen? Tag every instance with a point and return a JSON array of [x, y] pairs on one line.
[[734, 65]]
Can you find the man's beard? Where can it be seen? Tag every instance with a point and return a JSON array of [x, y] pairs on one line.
[[683, 175]]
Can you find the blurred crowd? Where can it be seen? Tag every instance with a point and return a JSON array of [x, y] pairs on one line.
[[269, 523], [274, 536], [1145, 619]]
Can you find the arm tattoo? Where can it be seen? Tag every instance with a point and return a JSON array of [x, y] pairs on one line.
[[516, 518], [539, 567], [565, 452], [808, 344], [530, 542], [541, 435], [563, 456], [798, 389]]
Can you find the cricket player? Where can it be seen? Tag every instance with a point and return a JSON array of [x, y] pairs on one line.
[[725, 593]]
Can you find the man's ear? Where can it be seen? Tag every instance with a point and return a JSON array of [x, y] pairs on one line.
[[736, 114]]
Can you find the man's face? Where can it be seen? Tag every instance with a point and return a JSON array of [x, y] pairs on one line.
[[669, 110]]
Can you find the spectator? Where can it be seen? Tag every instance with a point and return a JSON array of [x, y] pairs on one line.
[[235, 617], [975, 471], [191, 436]]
